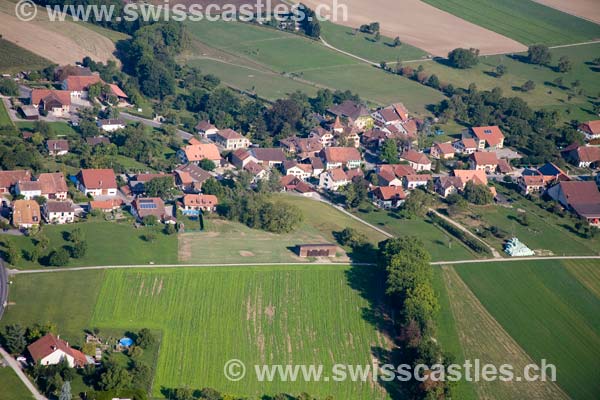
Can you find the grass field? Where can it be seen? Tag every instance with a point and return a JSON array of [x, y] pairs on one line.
[[15, 59], [232, 242], [284, 53], [109, 243], [549, 312], [4, 117], [57, 128], [546, 93], [293, 314], [522, 20], [436, 241], [363, 45], [546, 233], [12, 387]]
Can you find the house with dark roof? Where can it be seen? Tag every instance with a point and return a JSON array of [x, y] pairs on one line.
[[207, 130], [357, 114], [466, 145], [581, 197], [29, 190], [8, 179], [53, 185], [143, 207], [58, 212], [268, 156], [190, 178], [97, 140], [442, 151], [58, 147]]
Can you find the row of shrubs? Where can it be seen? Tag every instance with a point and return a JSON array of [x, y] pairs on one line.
[[470, 241]]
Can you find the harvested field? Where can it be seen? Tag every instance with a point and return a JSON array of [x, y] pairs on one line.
[[59, 42], [424, 26], [586, 9]]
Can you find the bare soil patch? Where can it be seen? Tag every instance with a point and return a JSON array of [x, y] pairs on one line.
[[586, 9], [423, 26], [244, 253], [60, 42]]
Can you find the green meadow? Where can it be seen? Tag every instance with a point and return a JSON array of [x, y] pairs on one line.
[[525, 21], [549, 311], [15, 59], [307, 61]]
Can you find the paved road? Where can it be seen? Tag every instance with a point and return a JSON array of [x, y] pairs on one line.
[[3, 287], [512, 259], [184, 135], [15, 366]]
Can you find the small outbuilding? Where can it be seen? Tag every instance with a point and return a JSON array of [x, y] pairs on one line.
[[317, 250]]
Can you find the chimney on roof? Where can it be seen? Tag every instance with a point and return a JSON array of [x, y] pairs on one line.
[[53, 347]]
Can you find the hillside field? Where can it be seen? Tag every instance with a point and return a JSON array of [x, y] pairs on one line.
[[289, 314], [546, 307], [525, 21], [546, 92], [308, 62], [4, 117], [15, 59]]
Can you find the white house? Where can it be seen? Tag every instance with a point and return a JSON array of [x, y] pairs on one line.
[[300, 171], [97, 182], [28, 189], [58, 212], [333, 179], [51, 350], [111, 125]]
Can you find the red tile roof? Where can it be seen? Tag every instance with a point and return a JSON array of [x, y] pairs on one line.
[[81, 83], [116, 90], [591, 127], [98, 178], [444, 148], [588, 154], [200, 200], [63, 96], [48, 344], [583, 197], [198, 152], [415, 157], [10, 178], [340, 154], [390, 193], [485, 158], [229, 134], [491, 134]]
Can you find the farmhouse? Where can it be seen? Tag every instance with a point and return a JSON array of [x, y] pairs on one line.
[[317, 250], [581, 197], [530, 184], [190, 178], [391, 115], [357, 114], [78, 86], [387, 177], [417, 161], [111, 125], [53, 185], [55, 102], [388, 196], [105, 205], [484, 161], [28, 189], [8, 179], [467, 175], [97, 182], [58, 147], [447, 185], [192, 204], [51, 350], [268, 157], [323, 136], [490, 137], [196, 152], [442, 151], [258, 171], [58, 212], [119, 94], [302, 147], [583, 156], [26, 213], [335, 157], [590, 129], [231, 140], [241, 157], [333, 179]]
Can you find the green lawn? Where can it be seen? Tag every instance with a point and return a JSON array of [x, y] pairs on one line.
[[109, 243], [522, 20], [436, 241], [546, 93], [305, 59], [363, 45], [57, 128], [15, 59], [4, 117], [12, 387], [549, 312]]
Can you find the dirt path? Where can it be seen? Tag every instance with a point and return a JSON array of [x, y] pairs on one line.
[[586, 9], [483, 338], [423, 26], [59, 42]]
